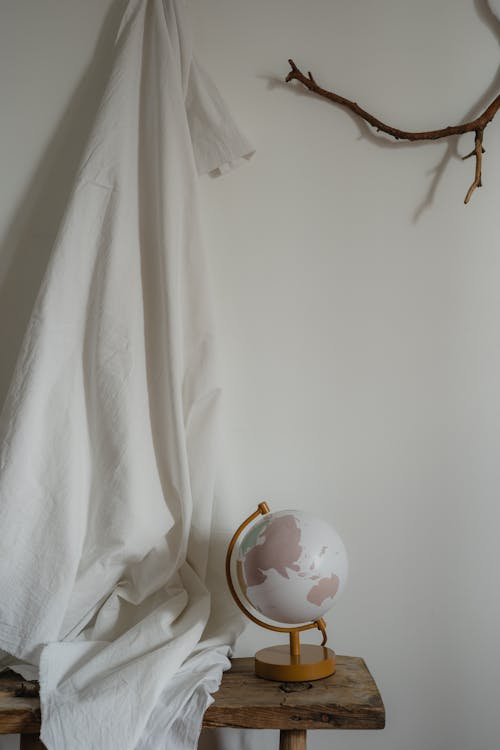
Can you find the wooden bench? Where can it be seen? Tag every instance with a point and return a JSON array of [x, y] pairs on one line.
[[349, 699]]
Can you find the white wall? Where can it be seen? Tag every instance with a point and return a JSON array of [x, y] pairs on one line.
[[358, 312]]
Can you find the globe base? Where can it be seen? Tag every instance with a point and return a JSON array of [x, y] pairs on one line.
[[277, 663]]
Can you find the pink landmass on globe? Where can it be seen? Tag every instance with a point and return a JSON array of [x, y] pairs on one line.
[[325, 588], [280, 550]]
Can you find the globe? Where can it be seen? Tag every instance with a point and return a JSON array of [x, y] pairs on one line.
[[290, 566]]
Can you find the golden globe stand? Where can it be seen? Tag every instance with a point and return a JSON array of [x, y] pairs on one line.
[[293, 663]]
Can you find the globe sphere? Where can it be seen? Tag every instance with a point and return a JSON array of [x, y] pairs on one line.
[[291, 566]]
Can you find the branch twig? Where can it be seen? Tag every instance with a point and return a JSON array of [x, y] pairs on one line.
[[478, 151], [478, 125]]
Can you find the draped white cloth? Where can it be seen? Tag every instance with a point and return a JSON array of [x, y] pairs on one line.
[[108, 432]]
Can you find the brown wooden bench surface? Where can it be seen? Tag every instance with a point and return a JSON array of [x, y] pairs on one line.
[[349, 699]]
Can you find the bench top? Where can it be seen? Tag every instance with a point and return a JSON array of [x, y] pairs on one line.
[[349, 699]]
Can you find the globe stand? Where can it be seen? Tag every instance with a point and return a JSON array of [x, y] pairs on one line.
[[292, 663], [295, 663]]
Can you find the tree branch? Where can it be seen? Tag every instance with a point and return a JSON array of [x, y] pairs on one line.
[[478, 150], [478, 125]]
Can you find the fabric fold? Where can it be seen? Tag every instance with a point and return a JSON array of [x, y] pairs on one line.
[[107, 436]]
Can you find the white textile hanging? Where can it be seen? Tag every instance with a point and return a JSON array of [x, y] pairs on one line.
[[107, 435]]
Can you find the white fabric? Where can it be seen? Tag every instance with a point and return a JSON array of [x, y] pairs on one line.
[[107, 436]]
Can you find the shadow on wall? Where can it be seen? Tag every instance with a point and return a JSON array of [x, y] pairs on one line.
[[490, 19], [25, 249]]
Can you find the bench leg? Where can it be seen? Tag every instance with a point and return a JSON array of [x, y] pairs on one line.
[[31, 742], [293, 739]]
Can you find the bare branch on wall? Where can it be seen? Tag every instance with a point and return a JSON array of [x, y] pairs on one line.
[[477, 126]]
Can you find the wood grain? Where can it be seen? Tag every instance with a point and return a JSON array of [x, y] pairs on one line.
[[19, 704], [349, 699], [293, 739]]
